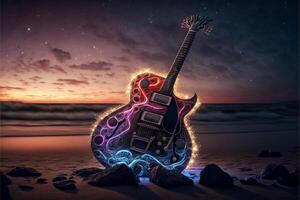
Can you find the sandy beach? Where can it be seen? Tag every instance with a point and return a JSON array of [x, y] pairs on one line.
[[56, 155]]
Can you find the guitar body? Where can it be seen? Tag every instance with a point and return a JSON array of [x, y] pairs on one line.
[[150, 129]]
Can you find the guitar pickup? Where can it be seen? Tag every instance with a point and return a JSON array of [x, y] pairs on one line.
[[161, 99], [151, 117]]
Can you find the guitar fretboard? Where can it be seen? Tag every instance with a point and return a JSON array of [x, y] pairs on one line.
[[169, 82]]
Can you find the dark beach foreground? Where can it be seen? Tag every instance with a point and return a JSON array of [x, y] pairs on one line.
[[232, 139], [56, 155]]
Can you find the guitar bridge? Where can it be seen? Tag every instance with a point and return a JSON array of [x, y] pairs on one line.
[[142, 139]]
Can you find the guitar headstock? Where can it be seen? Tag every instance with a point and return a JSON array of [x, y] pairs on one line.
[[197, 23]]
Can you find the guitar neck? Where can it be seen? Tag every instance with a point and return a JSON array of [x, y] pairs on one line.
[[169, 82]]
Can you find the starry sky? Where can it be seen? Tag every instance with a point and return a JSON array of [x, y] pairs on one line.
[[86, 51]]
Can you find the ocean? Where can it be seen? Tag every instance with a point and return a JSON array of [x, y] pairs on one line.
[[27, 119]]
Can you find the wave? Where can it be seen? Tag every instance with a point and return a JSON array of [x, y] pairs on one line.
[[89, 112], [61, 107], [220, 116]]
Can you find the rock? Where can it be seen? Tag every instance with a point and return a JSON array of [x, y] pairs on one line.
[[117, 175], [26, 187], [86, 172], [4, 191], [167, 178], [66, 185], [264, 154], [245, 169], [273, 172], [213, 176], [291, 180], [24, 172], [59, 178], [249, 181], [4, 179], [41, 181], [268, 153], [275, 154]]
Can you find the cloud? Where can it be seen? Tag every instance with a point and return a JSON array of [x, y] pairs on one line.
[[24, 82], [44, 65], [113, 35], [58, 84], [143, 48], [61, 55], [112, 74], [11, 88], [26, 65], [93, 66], [72, 81], [150, 57], [127, 68], [117, 92], [35, 78], [121, 58]]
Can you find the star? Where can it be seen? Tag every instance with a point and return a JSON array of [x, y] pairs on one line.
[[28, 29]]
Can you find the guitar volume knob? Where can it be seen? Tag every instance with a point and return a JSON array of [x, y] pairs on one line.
[[144, 83]]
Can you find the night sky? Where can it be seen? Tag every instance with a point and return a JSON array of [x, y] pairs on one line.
[[87, 51]]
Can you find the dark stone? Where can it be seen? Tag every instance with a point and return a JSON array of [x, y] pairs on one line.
[[4, 179], [235, 178], [4, 191], [264, 154], [249, 181], [117, 175], [24, 172], [41, 181], [59, 178], [26, 187], [273, 172], [275, 154], [268, 153], [214, 176], [291, 180], [66, 186], [86, 172], [245, 169], [167, 178]]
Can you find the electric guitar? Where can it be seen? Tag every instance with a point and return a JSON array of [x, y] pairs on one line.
[[150, 128]]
